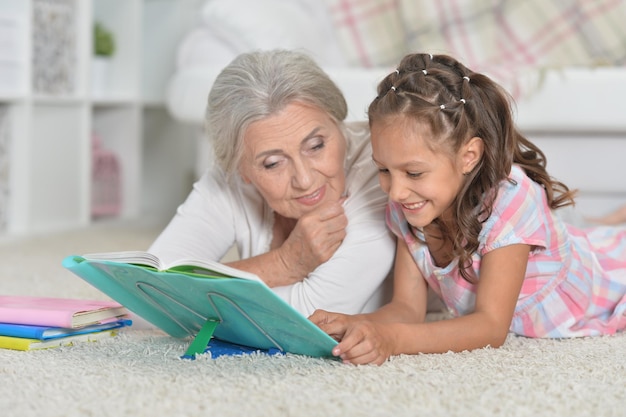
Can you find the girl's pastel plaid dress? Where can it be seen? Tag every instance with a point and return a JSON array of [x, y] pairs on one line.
[[575, 282]]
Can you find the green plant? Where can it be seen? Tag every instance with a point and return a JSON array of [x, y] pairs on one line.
[[103, 41]]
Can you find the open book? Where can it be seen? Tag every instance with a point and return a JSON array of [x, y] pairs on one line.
[[187, 298], [200, 267]]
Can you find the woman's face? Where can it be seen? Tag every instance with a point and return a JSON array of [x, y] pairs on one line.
[[295, 158]]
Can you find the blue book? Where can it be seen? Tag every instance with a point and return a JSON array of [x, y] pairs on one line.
[[47, 332], [217, 348], [203, 300]]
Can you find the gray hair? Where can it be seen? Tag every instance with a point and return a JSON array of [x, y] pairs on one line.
[[259, 84]]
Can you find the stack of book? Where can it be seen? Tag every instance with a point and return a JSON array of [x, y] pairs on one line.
[[29, 323]]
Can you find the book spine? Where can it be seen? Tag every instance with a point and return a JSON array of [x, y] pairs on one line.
[[37, 317], [15, 343], [21, 330]]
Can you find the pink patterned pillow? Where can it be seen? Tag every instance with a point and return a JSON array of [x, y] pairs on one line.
[[509, 39], [370, 32]]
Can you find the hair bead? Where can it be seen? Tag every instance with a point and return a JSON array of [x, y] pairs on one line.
[[462, 100], [466, 78], [442, 107], [393, 87], [425, 72]]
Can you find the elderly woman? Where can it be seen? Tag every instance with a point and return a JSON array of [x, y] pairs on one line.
[[292, 186]]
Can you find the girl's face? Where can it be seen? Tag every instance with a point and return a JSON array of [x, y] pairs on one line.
[[424, 182], [295, 158]]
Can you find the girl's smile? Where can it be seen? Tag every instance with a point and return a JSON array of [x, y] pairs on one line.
[[424, 179], [413, 207]]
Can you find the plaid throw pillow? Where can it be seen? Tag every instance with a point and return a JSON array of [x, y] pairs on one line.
[[508, 38], [370, 32]]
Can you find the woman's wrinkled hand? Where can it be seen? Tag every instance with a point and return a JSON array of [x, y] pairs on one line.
[[314, 239]]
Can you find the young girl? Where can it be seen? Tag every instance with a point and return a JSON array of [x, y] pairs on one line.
[[473, 209]]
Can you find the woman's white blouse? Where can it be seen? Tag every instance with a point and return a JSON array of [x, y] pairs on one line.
[[218, 214]]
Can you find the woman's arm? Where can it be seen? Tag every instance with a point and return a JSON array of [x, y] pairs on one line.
[[203, 226], [353, 279], [313, 241], [410, 291], [215, 215], [501, 276]]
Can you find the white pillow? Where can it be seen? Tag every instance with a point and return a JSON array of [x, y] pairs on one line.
[[201, 48], [247, 25]]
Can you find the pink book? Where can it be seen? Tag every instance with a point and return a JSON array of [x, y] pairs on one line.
[[58, 312]]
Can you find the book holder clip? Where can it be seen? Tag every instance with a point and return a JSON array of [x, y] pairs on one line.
[[201, 341], [210, 324]]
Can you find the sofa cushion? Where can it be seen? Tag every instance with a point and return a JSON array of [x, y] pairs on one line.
[[462, 28], [506, 39], [247, 25], [370, 32], [201, 48]]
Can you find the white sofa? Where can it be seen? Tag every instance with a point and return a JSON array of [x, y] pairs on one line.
[[576, 115]]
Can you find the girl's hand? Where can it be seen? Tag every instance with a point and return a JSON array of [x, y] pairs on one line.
[[361, 341], [334, 324], [365, 342]]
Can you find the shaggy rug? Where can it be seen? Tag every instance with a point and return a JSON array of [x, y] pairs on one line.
[[140, 372]]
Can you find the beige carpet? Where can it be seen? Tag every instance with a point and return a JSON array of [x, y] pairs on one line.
[[139, 373]]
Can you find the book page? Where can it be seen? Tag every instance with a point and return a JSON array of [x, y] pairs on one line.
[[148, 259], [128, 257]]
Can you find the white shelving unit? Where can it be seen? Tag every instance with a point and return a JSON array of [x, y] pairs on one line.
[[50, 111]]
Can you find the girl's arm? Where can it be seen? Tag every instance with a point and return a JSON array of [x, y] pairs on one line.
[[410, 291], [408, 305], [501, 276]]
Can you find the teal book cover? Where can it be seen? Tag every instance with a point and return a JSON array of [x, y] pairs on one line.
[[247, 311]]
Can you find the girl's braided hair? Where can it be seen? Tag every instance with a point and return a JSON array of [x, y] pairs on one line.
[[457, 104]]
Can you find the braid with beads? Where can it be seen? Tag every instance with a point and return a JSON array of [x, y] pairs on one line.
[[458, 104]]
